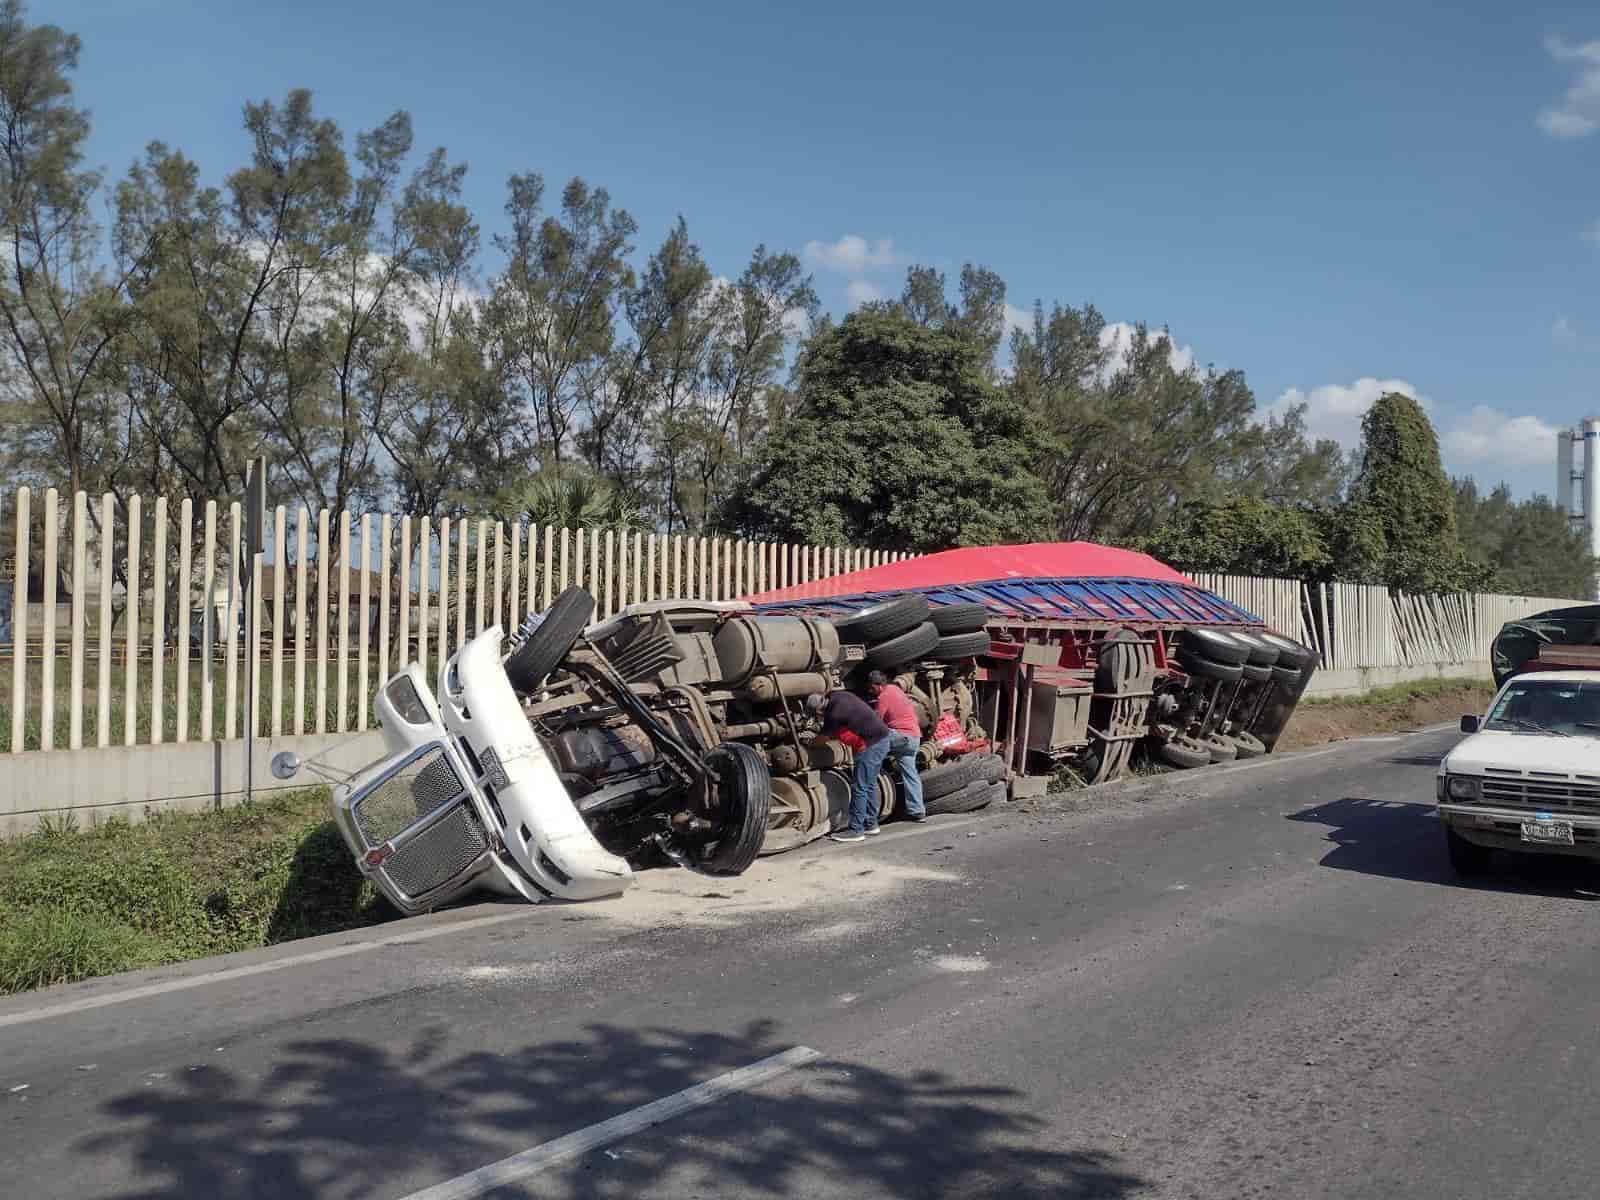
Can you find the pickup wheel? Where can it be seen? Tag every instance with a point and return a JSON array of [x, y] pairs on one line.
[[1466, 858], [744, 801], [527, 665]]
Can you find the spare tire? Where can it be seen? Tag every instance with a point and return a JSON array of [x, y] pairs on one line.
[[527, 665], [908, 647], [744, 795], [965, 617], [969, 799], [968, 769], [884, 620], [956, 646], [1217, 645]]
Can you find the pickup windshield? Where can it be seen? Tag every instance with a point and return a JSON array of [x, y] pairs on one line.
[[1546, 706]]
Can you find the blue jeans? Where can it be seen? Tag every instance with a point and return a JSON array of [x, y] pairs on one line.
[[903, 750], [864, 785]]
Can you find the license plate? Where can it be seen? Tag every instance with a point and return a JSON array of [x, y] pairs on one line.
[[1556, 833]]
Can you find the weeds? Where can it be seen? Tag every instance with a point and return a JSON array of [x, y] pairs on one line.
[[74, 904]]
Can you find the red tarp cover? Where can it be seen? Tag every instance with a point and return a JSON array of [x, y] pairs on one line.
[[982, 564]]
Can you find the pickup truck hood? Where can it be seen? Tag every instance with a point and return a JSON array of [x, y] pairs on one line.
[[1524, 752]]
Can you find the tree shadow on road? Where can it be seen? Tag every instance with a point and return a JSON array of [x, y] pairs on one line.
[[1401, 840], [344, 1119]]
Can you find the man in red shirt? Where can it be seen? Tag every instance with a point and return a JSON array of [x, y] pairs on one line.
[[895, 710]]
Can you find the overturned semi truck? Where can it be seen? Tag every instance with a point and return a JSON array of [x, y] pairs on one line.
[[555, 762]]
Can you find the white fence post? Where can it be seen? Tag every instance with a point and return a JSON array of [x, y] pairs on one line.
[[19, 627]]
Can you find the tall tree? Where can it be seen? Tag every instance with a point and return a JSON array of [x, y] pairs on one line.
[[900, 440], [552, 308], [59, 310], [1403, 484], [1531, 546]]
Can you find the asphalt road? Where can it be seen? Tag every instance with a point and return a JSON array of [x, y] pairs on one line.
[[1253, 982]]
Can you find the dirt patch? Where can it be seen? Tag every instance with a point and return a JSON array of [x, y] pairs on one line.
[[1389, 710]]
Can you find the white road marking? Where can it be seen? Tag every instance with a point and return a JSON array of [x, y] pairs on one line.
[[278, 964], [563, 1149]]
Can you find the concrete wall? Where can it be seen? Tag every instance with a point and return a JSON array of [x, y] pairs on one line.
[[1357, 681], [93, 785]]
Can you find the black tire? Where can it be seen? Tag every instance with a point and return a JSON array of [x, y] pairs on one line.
[[955, 646], [568, 614], [1222, 749], [1249, 745], [910, 646], [880, 622], [951, 777], [1216, 645], [744, 792], [1466, 858], [1185, 755], [965, 617], [1286, 677], [1256, 673], [1291, 654], [1206, 668], [969, 799], [1262, 652]]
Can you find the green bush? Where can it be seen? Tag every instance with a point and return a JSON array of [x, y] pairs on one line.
[[76, 903], [50, 945]]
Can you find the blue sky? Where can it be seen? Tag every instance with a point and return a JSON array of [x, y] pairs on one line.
[[1331, 197]]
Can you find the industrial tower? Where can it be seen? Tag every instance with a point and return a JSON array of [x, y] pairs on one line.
[[1578, 486]]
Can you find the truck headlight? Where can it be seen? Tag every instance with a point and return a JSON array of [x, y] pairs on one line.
[[1463, 787]]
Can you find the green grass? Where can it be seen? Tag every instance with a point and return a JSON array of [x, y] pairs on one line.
[[1402, 693], [79, 903]]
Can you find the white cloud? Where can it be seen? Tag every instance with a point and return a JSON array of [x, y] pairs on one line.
[[1335, 411], [1118, 338], [1488, 435], [1578, 113], [862, 292], [851, 254]]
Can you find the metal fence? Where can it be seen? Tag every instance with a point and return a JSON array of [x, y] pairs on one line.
[[125, 622]]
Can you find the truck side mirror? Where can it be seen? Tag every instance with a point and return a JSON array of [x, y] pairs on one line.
[[1469, 724]]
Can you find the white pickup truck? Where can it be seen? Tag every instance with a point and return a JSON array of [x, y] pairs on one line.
[[1528, 778]]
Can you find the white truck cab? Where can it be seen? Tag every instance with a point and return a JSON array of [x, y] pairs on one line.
[[1528, 777]]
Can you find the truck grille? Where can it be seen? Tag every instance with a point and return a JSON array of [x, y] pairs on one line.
[[1542, 792], [399, 802], [438, 854]]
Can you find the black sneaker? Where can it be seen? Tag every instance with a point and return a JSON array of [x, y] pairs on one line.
[[916, 818], [848, 835]]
